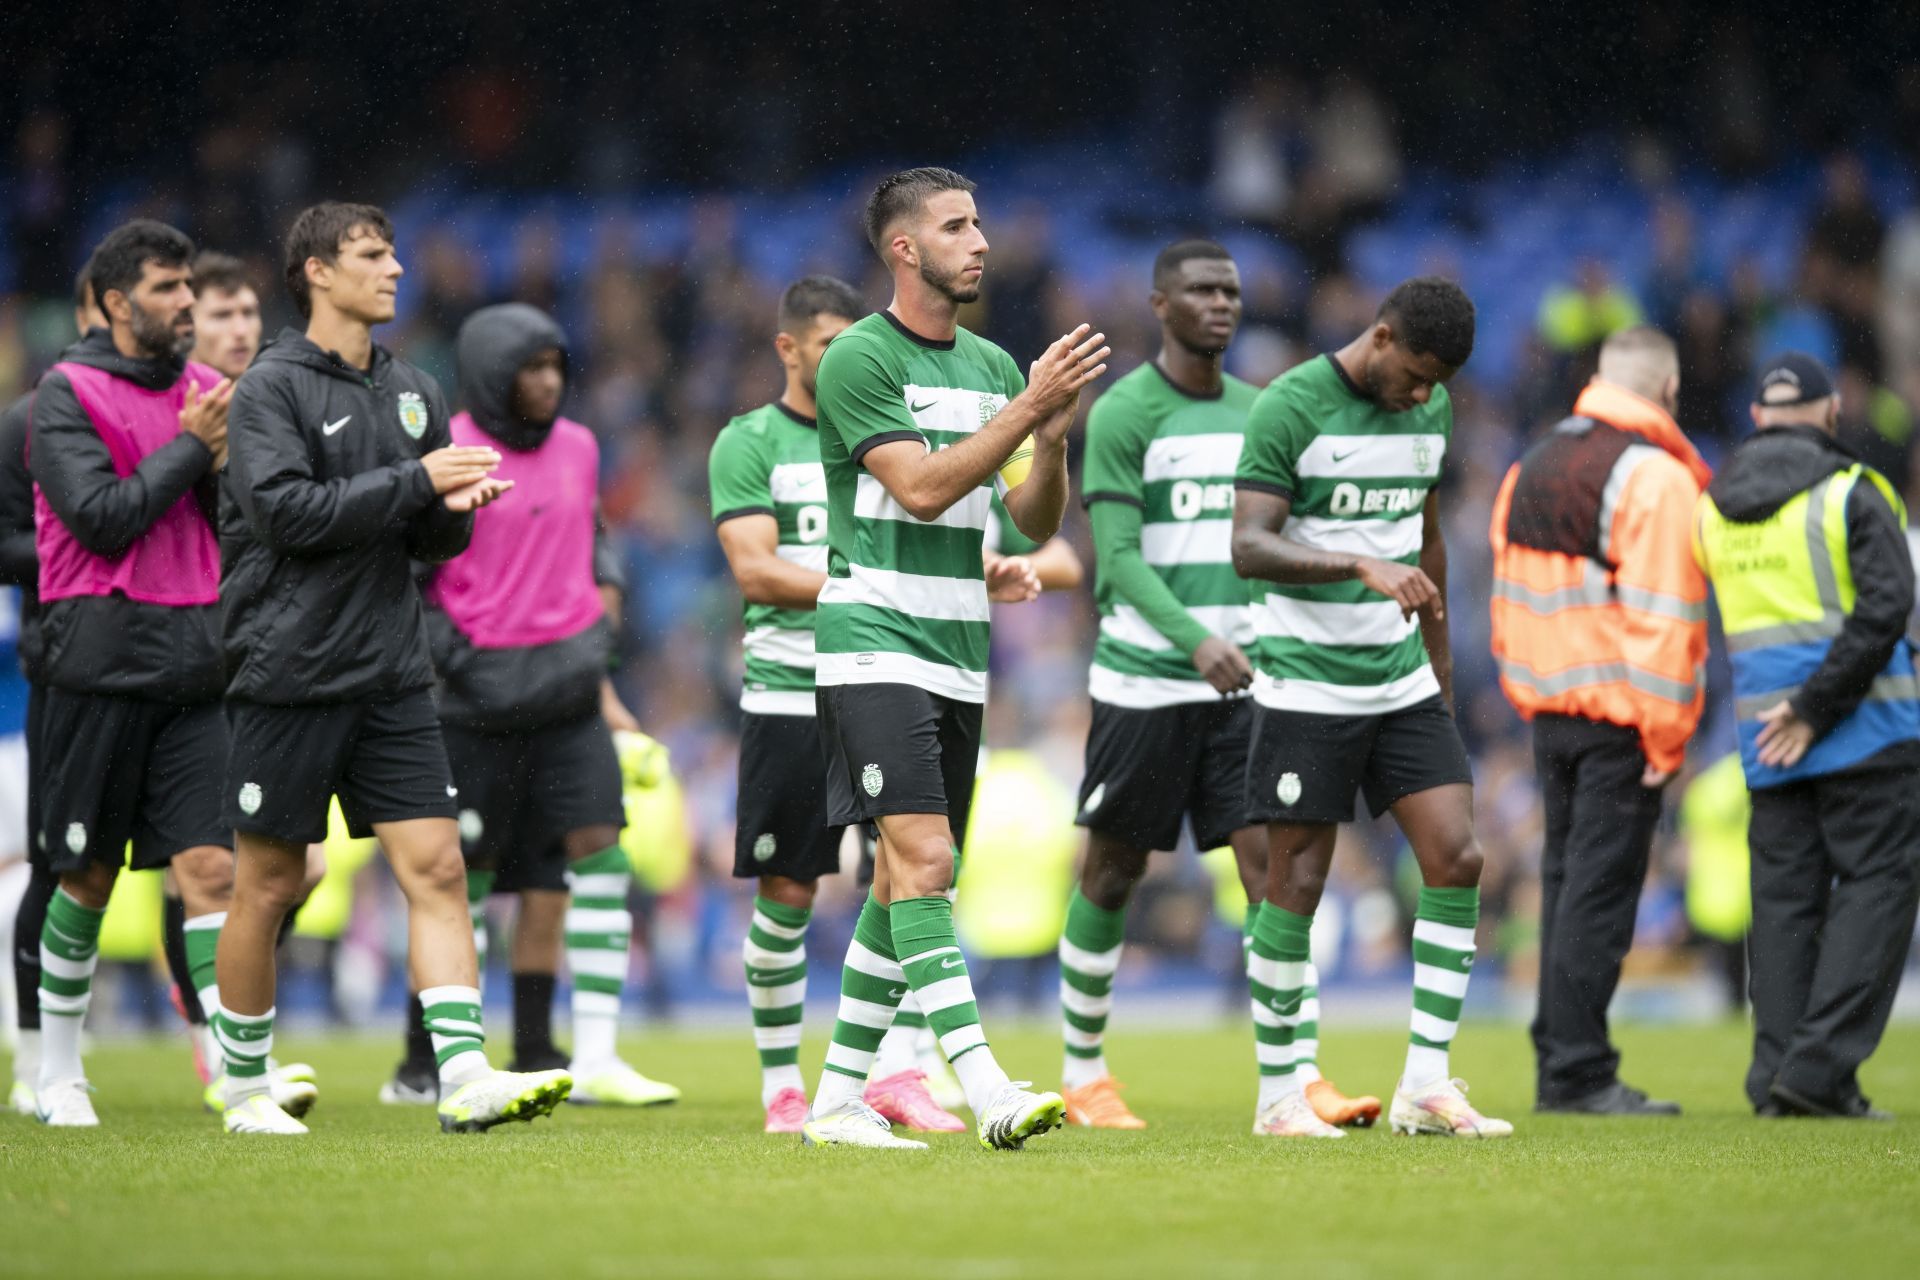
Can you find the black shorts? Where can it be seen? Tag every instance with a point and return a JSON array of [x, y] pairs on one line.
[[522, 793], [892, 748], [1305, 768], [1147, 768], [385, 760], [115, 770], [780, 825]]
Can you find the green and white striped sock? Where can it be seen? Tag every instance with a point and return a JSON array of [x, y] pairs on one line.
[[1443, 945], [452, 1017], [871, 985], [1276, 976], [246, 1042], [929, 951], [202, 936], [1090, 948], [1246, 966], [775, 955], [69, 952], [599, 942], [479, 889], [1306, 1036], [900, 1047]]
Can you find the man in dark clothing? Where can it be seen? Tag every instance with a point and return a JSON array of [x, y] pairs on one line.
[[521, 640], [123, 435], [20, 568], [1807, 553], [343, 475]]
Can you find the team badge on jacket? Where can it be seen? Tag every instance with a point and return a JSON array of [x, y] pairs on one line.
[[870, 779], [413, 413]]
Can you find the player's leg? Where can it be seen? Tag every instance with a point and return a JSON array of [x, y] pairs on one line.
[[28, 924], [1091, 943], [599, 936], [185, 996], [774, 953], [533, 960], [90, 743], [1438, 823], [266, 885], [1299, 855]]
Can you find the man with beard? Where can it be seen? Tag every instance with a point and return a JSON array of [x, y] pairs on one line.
[[1171, 718], [344, 475], [122, 447], [20, 568], [920, 422]]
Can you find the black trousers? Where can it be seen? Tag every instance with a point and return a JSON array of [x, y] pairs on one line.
[[1599, 829], [1836, 879]]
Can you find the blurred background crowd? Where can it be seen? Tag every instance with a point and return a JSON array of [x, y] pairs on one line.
[[1743, 177]]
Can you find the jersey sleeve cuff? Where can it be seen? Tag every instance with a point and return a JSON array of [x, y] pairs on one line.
[[1108, 495], [1261, 486], [879, 438], [734, 513]]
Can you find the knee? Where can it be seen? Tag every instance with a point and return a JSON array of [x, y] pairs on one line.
[[1306, 881], [1459, 865], [1110, 875], [437, 872], [205, 876], [91, 886], [924, 868]]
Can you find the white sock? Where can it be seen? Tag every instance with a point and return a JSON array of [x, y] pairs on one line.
[[1274, 1088], [26, 1057], [775, 1079], [1077, 1073], [1307, 1072], [899, 1050], [1425, 1066], [837, 1088], [60, 1048], [981, 1077]]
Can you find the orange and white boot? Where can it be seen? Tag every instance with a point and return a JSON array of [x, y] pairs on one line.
[[1097, 1105], [1336, 1108]]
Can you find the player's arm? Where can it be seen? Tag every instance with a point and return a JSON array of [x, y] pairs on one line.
[[439, 531], [19, 561], [1433, 618], [294, 513], [1116, 541], [880, 434], [105, 511], [751, 541]]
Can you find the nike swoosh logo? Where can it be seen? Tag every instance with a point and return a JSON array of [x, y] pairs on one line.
[[333, 428], [898, 993], [954, 963], [1342, 457], [922, 408], [453, 791]]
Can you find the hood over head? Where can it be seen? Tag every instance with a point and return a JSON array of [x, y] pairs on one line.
[[1771, 467], [495, 342]]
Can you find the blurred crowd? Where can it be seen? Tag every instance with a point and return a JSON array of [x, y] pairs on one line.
[[669, 342]]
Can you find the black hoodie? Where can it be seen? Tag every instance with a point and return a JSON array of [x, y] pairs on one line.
[[1765, 473], [19, 560], [325, 508], [521, 688], [110, 644]]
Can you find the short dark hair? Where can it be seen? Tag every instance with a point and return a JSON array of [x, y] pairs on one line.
[[215, 270], [812, 296], [118, 260], [1167, 265], [1431, 316], [319, 232], [903, 193]]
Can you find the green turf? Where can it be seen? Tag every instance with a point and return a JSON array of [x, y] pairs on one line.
[[696, 1190]]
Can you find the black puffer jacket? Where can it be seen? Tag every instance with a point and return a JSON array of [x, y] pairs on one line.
[[112, 644], [19, 562], [325, 508]]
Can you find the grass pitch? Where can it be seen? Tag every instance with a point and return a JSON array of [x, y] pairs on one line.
[[696, 1190]]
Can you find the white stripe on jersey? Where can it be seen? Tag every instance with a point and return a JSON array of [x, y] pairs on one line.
[[1201, 457], [1322, 698], [914, 594], [871, 501], [901, 668], [1371, 457], [1187, 542], [777, 702], [950, 408], [812, 555], [1146, 692], [1383, 539], [1125, 624], [798, 482], [777, 645]]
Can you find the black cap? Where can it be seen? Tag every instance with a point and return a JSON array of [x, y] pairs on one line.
[[1792, 377]]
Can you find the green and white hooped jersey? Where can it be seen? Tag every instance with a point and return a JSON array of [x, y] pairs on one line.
[[1173, 455], [767, 462], [1358, 477], [906, 599]]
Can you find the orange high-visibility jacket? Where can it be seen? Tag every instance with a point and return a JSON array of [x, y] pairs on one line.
[[1599, 610]]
